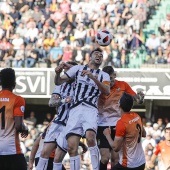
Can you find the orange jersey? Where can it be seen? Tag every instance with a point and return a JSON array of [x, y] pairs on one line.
[[109, 111], [130, 128], [11, 105], [164, 150]]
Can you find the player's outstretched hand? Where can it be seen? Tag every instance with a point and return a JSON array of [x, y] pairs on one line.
[[30, 165], [140, 97], [107, 132], [24, 132], [151, 166]]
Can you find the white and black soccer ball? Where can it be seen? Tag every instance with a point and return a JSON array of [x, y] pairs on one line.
[[104, 37]]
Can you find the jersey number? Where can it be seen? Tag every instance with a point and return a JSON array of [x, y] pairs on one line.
[[2, 110], [140, 132]]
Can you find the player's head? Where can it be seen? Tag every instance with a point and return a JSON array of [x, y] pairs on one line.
[[109, 70], [126, 102], [96, 57], [167, 132], [7, 76]]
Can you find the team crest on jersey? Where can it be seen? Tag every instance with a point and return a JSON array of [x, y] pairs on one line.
[[22, 109]]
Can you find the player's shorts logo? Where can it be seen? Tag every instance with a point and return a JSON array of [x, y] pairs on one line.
[[22, 109]]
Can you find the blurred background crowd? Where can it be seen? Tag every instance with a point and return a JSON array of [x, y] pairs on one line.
[[154, 130], [41, 33]]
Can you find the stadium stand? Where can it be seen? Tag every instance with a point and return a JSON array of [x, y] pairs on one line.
[[33, 35]]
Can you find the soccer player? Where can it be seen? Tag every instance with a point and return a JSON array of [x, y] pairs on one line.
[[11, 123], [129, 131], [109, 114], [83, 115], [61, 100], [163, 148], [36, 151]]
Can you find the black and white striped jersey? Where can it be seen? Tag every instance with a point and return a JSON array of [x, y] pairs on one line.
[[86, 90], [64, 90]]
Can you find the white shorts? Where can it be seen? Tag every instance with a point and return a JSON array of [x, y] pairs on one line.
[[61, 141], [82, 118], [53, 132]]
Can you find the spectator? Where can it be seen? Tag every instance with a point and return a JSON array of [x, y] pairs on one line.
[[31, 56], [37, 14], [40, 3], [48, 119], [8, 57], [56, 54], [20, 5], [67, 54], [31, 34], [32, 118], [121, 40], [78, 55], [53, 6], [21, 30], [161, 124], [165, 40], [152, 44], [148, 128], [48, 42], [148, 140], [4, 47], [19, 57], [65, 6], [17, 42], [26, 13], [15, 15], [165, 25], [160, 58], [156, 132]]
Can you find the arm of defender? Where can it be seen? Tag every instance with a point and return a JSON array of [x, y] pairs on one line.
[[33, 153], [153, 158], [54, 100], [20, 127], [117, 143]]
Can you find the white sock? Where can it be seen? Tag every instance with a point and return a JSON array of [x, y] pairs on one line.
[[57, 166], [95, 157], [75, 162], [42, 164]]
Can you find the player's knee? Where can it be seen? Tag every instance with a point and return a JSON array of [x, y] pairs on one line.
[[105, 160], [91, 138]]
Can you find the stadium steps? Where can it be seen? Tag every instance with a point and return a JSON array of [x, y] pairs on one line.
[[156, 19]]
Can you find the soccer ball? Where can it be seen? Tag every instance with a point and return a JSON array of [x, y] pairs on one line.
[[104, 37]]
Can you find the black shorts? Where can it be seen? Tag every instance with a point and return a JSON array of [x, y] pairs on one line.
[[50, 163], [13, 162], [101, 139], [120, 167]]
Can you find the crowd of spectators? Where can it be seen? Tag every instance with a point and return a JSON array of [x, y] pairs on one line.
[[50, 31]]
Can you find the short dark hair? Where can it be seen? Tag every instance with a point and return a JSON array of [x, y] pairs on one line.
[[96, 49], [108, 69], [126, 102], [72, 63], [7, 77]]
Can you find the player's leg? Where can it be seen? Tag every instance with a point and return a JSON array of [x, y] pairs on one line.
[[45, 154], [114, 158], [104, 147], [49, 145], [60, 151], [73, 133], [90, 119], [93, 148], [73, 143], [59, 156]]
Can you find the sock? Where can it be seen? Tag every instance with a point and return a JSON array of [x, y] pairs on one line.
[[103, 166], [42, 164], [75, 162], [94, 153], [57, 166]]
